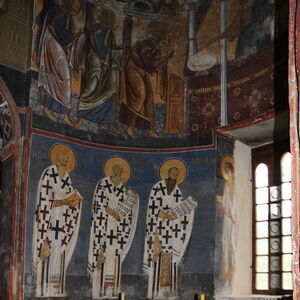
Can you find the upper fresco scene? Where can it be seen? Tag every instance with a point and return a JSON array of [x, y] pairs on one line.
[[146, 74]]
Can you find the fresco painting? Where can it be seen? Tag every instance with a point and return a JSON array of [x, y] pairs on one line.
[[130, 69], [139, 74], [56, 224], [102, 231], [169, 226], [6, 129], [114, 219], [227, 205], [89, 72]]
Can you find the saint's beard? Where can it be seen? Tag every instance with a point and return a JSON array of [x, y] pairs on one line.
[[116, 179], [171, 183]]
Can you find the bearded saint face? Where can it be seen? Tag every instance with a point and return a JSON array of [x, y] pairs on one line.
[[171, 181], [62, 159], [117, 172]]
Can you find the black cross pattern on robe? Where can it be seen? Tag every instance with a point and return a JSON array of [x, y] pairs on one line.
[[95, 245], [69, 226], [70, 236], [41, 198], [121, 241], [99, 188], [37, 215], [167, 237], [184, 222], [153, 207], [66, 215], [73, 209], [39, 249], [160, 188], [96, 209], [76, 217], [54, 175], [130, 217], [166, 207], [151, 224], [177, 196], [104, 247], [96, 255], [119, 191], [45, 174], [160, 228], [111, 237], [176, 230], [100, 218], [65, 182], [101, 197], [108, 186], [98, 237], [150, 241], [123, 224], [64, 241], [57, 229], [183, 237], [47, 187], [160, 200], [44, 212], [42, 230]]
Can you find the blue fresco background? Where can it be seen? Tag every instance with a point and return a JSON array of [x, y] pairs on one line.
[[200, 183]]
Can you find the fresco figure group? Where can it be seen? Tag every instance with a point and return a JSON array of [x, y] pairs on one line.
[[85, 76], [114, 218]]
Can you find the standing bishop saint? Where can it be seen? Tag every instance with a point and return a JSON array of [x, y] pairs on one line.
[[169, 226], [114, 218], [56, 224]]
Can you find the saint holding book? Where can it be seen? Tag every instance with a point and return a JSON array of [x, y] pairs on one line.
[[56, 224]]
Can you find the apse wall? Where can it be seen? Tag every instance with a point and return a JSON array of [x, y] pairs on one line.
[[196, 272], [140, 81]]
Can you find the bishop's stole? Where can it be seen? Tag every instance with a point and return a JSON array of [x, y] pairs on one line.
[[110, 238], [166, 240], [56, 228]]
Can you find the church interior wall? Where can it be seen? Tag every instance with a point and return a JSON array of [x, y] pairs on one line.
[[198, 262], [185, 100]]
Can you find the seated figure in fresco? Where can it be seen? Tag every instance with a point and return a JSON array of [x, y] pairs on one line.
[[56, 224], [61, 58], [136, 93], [114, 218], [99, 90], [168, 229]]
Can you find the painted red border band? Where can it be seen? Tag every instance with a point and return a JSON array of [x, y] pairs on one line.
[[118, 148]]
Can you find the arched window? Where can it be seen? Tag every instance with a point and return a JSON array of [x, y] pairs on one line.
[[272, 243], [286, 221]]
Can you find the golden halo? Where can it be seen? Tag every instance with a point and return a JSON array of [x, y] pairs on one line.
[[60, 148], [170, 163], [118, 161], [226, 159]]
